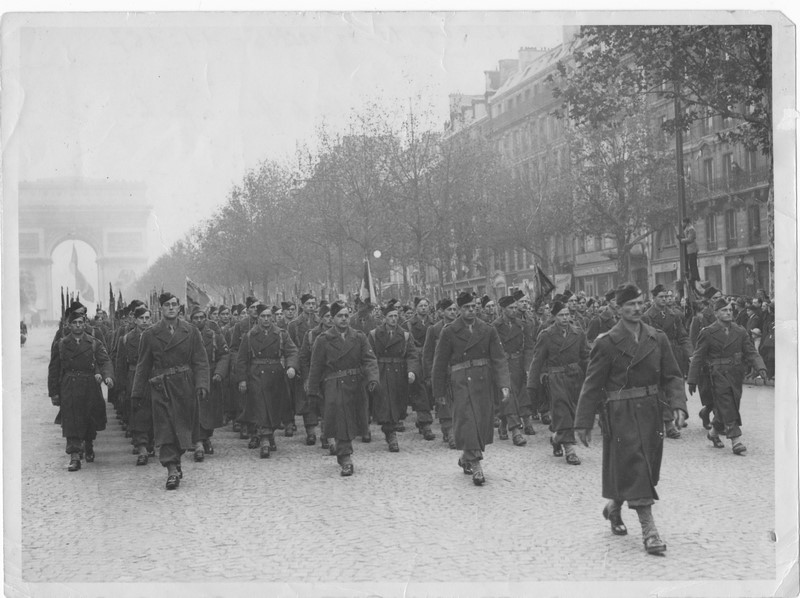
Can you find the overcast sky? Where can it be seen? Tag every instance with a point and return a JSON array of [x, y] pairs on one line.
[[187, 103]]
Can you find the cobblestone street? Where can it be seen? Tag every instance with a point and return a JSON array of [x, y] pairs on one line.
[[410, 518]]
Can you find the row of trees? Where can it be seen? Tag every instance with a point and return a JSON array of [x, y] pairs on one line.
[[392, 181]]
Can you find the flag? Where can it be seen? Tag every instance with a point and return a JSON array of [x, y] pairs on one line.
[[195, 296], [62, 303], [367, 290], [81, 283], [545, 285], [112, 307]]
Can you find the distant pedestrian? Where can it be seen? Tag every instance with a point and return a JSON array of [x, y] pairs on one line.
[[689, 238]]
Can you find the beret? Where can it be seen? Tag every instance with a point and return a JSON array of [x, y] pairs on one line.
[[337, 307], [710, 292], [659, 288], [505, 301], [626, 292], [140, 311], [305, 297], [260, 307], [610, 294], [444, 303], [518, 294], [323, 310], [720, 303], [484, 300], [464, 298], [164, 297], [249, 301], [74, 315], [556, 307]]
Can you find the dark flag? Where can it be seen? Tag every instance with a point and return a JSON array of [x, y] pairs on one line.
[[545, 285], [367, 290], [195, 296], [80, 280]]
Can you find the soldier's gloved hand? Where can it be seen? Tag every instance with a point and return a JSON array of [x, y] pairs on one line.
[[109, 382], [692, 388], [763, 373], [411, 377], [242, 386], [216, 378], [98, 378], [202, 394], [680, 418], [372, 386], [56, 400], [584, 435], [290, 373]]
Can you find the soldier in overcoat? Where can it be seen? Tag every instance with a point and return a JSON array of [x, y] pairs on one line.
[[631, 370], [298, 328], [519, 352], [398, 367], [419, 394], [304, 359], [605, 320], [141, 418], [173, 362], [723, 349], [341, 361], [558, 369], [470, 358], [247, 319], [702, 319], [78, 365], [661, 317], [365, 321], [210, 413], [444, 411], [267, 357]]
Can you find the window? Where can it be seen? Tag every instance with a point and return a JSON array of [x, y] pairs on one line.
[[667, 238], [754, 224], [580, 242], [731, 236], [500, 260], [708, 173], [713, 274], [750, 161], [711, 232], [727, 161]]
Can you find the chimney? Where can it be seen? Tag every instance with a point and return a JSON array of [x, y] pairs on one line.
[[492, 80], [508, 67], [529, 55]]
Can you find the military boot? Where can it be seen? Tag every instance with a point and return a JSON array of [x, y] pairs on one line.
[[528, 428], [427, 433], [518, 438], [653, 544], [199, 453], [502, 431]]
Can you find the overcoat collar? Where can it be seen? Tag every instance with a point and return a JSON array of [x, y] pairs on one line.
[[561, 341], [338, 345], [624, 341], [161, 332], [717, 329], [397, 336], [461, 330]]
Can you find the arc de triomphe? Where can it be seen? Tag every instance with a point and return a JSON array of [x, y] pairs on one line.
[[111, 217]]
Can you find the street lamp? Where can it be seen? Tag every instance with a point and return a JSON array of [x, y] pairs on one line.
[[377, 253]]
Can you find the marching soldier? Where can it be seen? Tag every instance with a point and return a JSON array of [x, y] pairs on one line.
[[398, 367], [469, 358], [631, 370], [173, 362], [444, 411], [297, 329], [605, 320], [77, 367], [314, 405], [341, 360], [702, 320], [421, 397], [210, 412], [365, 321], [266, 357], [557, 370], [722, 349], [516, 411], [247, 320], [141, 417]]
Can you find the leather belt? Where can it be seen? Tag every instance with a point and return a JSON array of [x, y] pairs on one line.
[[266, 361], [633, 393], [170, 371], [80, 373], [472, 363], [392, 360], [564, 368], [342, 374], [735, 360]]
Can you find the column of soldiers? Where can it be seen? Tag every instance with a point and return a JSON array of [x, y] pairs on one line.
[[474, 364]]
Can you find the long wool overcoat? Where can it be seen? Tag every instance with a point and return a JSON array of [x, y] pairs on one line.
[[212, 411], [141, 416], [633, 429], [267, 384], [672, 326], [475, 387], [569, 352], [298, 329], [397, 356], [344, 407], [173, 396], [70, 375], [519, 353]]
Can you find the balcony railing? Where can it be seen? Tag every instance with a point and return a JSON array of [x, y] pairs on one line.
[[733, 183]]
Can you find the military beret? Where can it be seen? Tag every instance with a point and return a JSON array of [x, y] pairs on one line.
[[464, 298], [236, 308], [250, 301], [306, 297], [75, 315], [566, 294], [559, 297], [721, 303], [77, 306], [518, 294], [444, 303], [505, 301], [212, 310], [659, 288], [222, 309], [323, 309], [260, 307], [274, 309], [337, 307], [556, 307], [195, 310], [610, 294], [135, 303], [140, 311], [484, 300], [390, 307], [406, 308], [323, 302], [710, 292], [627, 291], [287, 305], [164, 297]]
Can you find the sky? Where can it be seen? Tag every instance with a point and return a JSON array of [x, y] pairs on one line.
[[187, 103]]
